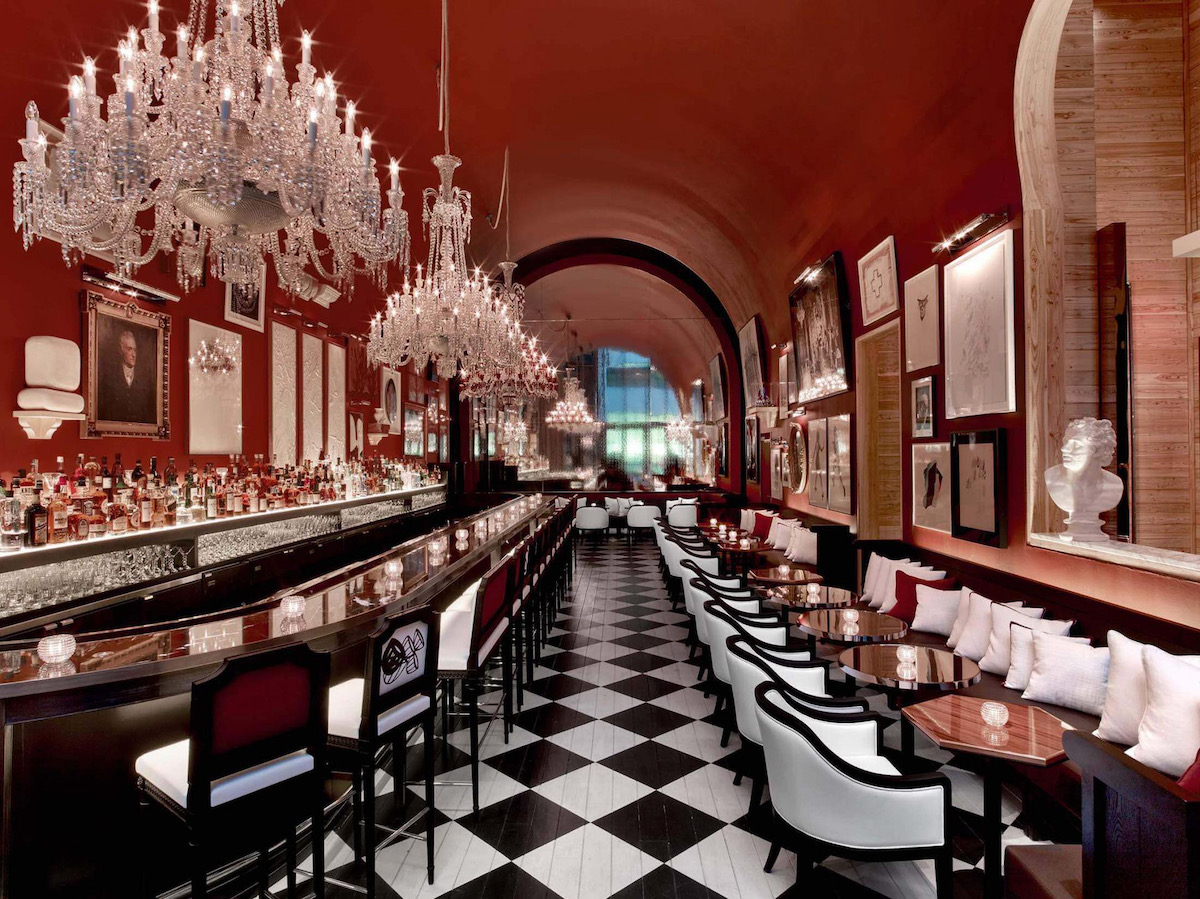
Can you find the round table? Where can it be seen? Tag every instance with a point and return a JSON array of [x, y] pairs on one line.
[[738, 556], [850, 626], [799, 598], [793, 576]]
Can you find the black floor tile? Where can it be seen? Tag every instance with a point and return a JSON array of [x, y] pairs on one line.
[[566, 661], [653, 764], [506, 882], [560, 686], [644, 687], [660, 826], [666, 883], [639, 641], [642, 661], [649, 720], [537, 763], [637, 624], [521, 824], [548, 720]]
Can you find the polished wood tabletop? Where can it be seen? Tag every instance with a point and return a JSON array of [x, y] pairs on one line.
[[1032, 736], [933, 668], [805, 597], [852, 626], [793, 575], [755, 544]]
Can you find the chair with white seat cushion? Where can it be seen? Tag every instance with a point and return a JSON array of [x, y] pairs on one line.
[[254, 766], [397, 693], [724, 621], [682, 514], [832, 786], [591, 520], [641, 518]]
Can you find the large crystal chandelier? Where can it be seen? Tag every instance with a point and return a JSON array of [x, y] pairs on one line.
[[679, 431], [212, 154], [571, 413]]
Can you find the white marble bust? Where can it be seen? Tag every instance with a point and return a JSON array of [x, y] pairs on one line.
[[1080, 486]]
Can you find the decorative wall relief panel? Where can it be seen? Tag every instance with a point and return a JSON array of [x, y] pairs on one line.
[[214, 398], [283, 393], [313, 397], [335, 403]]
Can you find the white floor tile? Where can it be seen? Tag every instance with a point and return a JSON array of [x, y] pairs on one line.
[[587, 863], [597, 740], [700, 739], [593, 792]]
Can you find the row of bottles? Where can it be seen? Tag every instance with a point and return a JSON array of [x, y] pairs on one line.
[[41, 508]]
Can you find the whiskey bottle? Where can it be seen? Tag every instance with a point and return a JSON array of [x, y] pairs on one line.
[[37, 521], [12, 525]]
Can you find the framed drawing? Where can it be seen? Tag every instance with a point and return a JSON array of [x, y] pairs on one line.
[[778, 477], [128, 370], [753, 368], [922, 311], [246, 304], [414, 430], [977, 462], [389, 396], [877, 282], [922, 408], [978, 330], [214, 397], [818, 464], [820, 312], [723, 450], [931, 486], [797, 459], [840, 475], [751, 445], [718, 387]]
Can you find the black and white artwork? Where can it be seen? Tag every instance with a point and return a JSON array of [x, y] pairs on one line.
[[922, 325], [751, 444], [820, 313], [922, 408], [979, 339], [389, 396], [977, 460], [839, 464], [778, 476], [753, 363], [246, 304], [818, 464], [931, 486], [715, 376], [877, 282]]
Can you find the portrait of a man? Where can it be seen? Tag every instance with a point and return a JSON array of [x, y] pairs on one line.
[[127, 366]]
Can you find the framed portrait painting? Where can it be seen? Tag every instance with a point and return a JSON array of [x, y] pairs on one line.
[[820, 314], [977, 462], [978, 330], [922, 320], [922, 408], [931, 486], [877, 282], [753, 364], [840, 474], [246, 304], [128, 370], [818, 464], [718, 387], [751, 445]]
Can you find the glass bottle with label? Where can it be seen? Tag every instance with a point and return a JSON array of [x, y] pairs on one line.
[[37, 521], [12, 524]]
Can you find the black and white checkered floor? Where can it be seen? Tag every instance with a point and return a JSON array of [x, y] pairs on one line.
[[615, 784]]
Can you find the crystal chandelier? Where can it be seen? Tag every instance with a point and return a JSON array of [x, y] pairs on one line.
[[214, 155], [214, 357], [571, 413], [679, 431]]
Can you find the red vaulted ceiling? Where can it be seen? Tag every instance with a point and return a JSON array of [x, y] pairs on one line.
[[741, 138]]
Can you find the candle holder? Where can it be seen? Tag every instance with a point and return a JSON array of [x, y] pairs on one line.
[[744, 543], [712, 522], [56, 649], [994, 714], [462, 535], [784, 571], [292, 606], [850, 629], [813, 589], [906, 671], [850, 616], [906, 654], [994, 736]]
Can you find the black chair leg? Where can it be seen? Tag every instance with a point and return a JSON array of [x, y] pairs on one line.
[[756, 795], [473, 717], [429, 794], [772, 856], [369, 823], [737, 779], [357, 811], [199, 874], [264, 868], [726, 734], [506, 667], [318, 841], [943, 866], [290, 861]]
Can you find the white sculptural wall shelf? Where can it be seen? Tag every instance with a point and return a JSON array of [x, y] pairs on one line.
[[50, 397]]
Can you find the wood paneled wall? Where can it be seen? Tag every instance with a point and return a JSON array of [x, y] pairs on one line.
[[1192, 57], [1140, 179], [881, 465]]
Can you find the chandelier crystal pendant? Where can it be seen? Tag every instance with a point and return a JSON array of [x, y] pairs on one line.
[[214, 155], [215, 357], [680, 431], [571, 414]]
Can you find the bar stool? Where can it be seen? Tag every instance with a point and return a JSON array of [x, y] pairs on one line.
[[397, 693], [255, 761]]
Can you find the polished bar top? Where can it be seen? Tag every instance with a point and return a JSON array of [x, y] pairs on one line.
[[340, 607], [1031, 736]]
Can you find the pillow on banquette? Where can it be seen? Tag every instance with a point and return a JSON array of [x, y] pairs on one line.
[[906, 603], [996, 659], [937, 606], [802, 547], [1073, 675]]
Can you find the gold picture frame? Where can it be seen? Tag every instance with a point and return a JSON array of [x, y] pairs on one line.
[[128, 369]]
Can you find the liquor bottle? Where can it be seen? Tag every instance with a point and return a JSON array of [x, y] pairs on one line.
[[92, 470], [138, 476], [59, 517], [97, 522], [78, 519], [106, 478], [153, 474], [118, 474], [79, 472], [118, 514], [12, 523], [170, 505], [170, 473], [210, 499], [37, 521], [145, 505]]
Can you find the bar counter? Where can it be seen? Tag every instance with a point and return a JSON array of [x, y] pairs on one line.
[[72, 729]]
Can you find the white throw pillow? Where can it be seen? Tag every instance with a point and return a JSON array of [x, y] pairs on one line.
[[1069, 674], [997, 659], [871, 574], [885, 585], [746, 520], [1021, 654], [802, 548], [964, 609], [1169, 734], [921, 572], [1126, 700], [781, 532], [936, 610], [977, 631], [610, 505]]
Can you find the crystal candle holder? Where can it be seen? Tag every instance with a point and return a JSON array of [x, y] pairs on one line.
[[292, 606], [56, 649], [850, 616], [850, 628], [784, 571], [906, 671], [393, 569], [462, 535], [813, 588], [906, 654], [712, 522], [744, 543], [994, 714]]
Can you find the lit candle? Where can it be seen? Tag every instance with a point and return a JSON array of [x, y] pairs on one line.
[[154, 15], [366, 147], [268, 82], [129, 96], [350, 117], [226, 98], [74, 92], [122, 57], [132, 40], [712, 522], [31, 121], [312, 129], [394, 169], [305, 48], [198, 65], [89, 76], [235, 18], [181, 42]]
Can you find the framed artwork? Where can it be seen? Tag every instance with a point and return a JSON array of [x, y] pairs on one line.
[[978, 330], [389, 395], [877, 282], [778, 477], [246, 304], [840, 476], [922, 408], [922, 314], [931, 486], [753, 368], [414, 430], [977, 463], [718, 387], [797, 459], [128, 370], [818, 464], [214, 399], [751, 444], [820, 312], [723, 450], [786, 390]]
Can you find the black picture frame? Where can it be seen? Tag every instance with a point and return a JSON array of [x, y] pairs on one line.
[[822, 361], [975, 451], [723, 450], [752, 450]]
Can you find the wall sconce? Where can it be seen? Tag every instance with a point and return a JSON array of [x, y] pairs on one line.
[[981, 225]]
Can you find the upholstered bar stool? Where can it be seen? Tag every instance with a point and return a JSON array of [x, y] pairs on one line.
[[254, 765], [396, 694]]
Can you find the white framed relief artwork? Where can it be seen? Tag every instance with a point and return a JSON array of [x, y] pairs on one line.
[[978, 332], [931, 486], [214, 398], [922, 328], [877, 284], [818, 464], [839, 464]]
